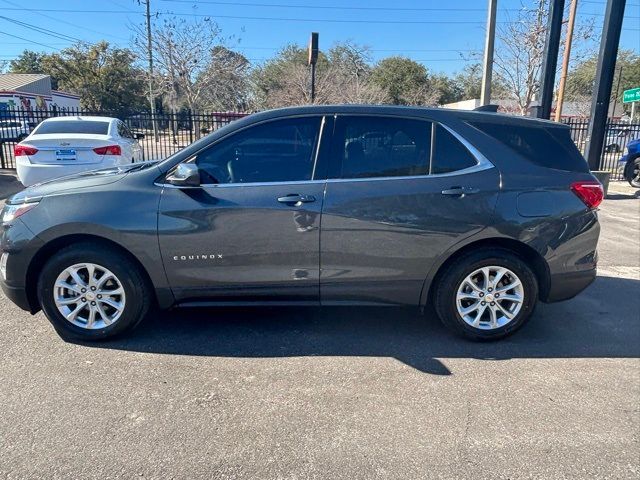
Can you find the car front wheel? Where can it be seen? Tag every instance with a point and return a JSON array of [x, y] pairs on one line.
[[92, 293], [486, 295]]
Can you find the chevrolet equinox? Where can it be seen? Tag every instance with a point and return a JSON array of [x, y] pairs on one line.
[[478, 214]]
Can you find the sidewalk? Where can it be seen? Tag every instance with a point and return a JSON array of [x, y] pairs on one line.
[[621, 189]]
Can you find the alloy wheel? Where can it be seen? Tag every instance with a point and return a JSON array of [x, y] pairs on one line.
[[89, 296], [490, 297]]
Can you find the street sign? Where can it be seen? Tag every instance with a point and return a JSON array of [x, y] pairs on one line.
[[632, 95]]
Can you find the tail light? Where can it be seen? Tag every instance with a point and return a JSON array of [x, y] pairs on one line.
[[20, 150], [110, 150], [590, 192]]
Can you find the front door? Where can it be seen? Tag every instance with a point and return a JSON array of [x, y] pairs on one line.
[[251, 231]]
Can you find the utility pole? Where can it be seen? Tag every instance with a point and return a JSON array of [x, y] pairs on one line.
[[565, 58], [551, 47], [152, 100], [173, 95], [601, 97], [615, 97], [313, 58], [487, 70]]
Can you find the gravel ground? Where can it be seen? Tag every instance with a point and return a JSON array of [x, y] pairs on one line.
[[336, 393]]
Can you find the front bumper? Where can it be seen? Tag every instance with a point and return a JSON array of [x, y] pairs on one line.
[[21, 245], [564, 286], [17, 295]]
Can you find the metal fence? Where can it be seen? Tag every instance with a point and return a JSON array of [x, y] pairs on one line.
[[174, 131], [618, 134]]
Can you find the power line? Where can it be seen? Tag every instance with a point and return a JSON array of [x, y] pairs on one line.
[[27, 40], [350, 8], [41, 30], [66, 22], [328, 7], [284, 19]]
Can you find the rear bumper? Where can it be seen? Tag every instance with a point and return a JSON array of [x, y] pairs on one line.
[[564, 286]]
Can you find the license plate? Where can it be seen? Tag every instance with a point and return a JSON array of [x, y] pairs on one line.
[[66, 154]]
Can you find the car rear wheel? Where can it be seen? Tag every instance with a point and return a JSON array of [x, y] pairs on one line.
[[92, 293], [486, 295]]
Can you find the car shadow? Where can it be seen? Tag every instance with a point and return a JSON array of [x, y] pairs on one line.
[[602, 322], [9, 185]]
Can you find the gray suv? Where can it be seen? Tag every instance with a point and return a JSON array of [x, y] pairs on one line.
[[478, 214]]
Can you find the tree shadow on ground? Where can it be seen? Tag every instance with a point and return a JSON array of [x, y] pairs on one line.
[[602, 322]]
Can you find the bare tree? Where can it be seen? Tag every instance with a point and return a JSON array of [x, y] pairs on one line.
[[227, 80], [342, 76], [518, 59], [184, 52], [519, 55]]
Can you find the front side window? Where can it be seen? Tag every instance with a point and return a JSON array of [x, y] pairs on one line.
[[276, 151]]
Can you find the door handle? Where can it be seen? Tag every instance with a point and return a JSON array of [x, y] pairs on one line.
[[460, 191], [297, 198]]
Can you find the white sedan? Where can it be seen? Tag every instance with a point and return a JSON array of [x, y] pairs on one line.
[[66, 145]]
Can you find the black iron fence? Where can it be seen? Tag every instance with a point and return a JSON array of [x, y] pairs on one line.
[[166, 133], [618, 134]]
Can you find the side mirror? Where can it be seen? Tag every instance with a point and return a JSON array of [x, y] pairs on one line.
[[138, 136], [185, 175]]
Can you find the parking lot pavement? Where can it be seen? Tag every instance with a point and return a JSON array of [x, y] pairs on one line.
[[336, 393], [9, 184]]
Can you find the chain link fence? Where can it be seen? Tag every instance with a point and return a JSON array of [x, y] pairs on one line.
[[166, 133]]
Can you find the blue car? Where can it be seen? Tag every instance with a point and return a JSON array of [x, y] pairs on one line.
[[631, 162]]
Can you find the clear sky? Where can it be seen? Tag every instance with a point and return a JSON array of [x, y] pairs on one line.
[[441, 34]]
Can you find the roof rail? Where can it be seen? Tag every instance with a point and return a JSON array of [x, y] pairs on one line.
[[486, 108]]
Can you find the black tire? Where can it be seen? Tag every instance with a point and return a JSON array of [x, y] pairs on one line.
[[136, 289], [452, 277], [632, 172]]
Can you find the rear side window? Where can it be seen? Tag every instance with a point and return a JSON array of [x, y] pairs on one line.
[[549, 147], [381, 147], [369, 147], [449, 154], [73, 126]]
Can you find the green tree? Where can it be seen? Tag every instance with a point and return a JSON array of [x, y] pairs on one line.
[[581, 79], [405, 81], [104, 77], [31, 62]]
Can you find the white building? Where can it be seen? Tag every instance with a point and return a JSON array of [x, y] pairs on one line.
[[569, 109], [31, 92]]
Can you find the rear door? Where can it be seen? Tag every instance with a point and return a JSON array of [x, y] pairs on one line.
[[251, 231], [400, 193]]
